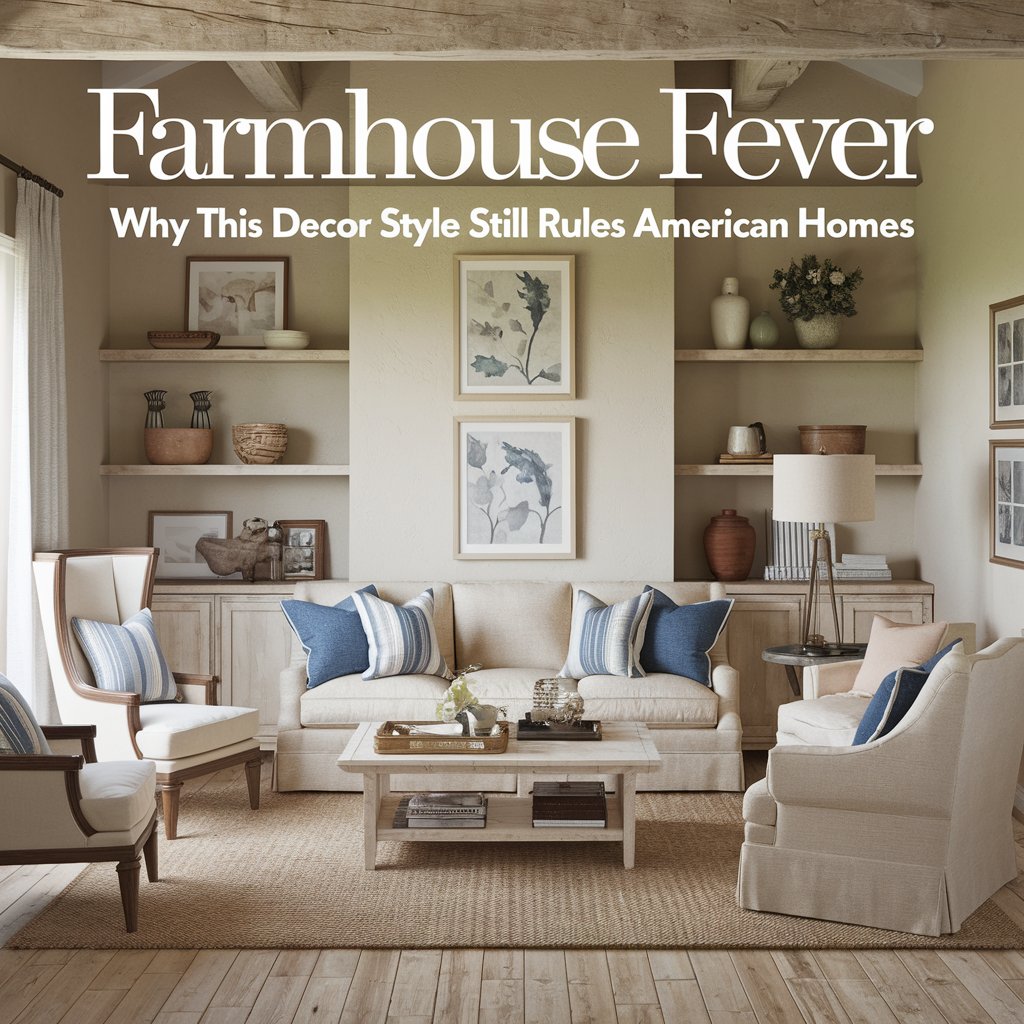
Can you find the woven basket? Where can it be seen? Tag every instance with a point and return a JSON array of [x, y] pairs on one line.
[[260, 444], [832, 440]]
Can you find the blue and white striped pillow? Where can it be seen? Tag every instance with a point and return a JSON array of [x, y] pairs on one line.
[[401, 638], [127, 658], [19, 730], [605, 640]]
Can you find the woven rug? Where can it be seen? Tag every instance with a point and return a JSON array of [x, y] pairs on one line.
[[291, 876]]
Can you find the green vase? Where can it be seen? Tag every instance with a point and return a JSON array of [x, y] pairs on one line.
[[764, 331]]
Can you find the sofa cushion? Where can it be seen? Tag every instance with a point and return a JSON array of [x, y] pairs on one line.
[[19, 730], [606, 639], [349, 700], [679, 637], [401, 638], [759, 805], [173, 731], [829, 721], [893, 645], [658, 697], [117, 794]]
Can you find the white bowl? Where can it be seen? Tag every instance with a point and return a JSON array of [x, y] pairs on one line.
[[286, 339]]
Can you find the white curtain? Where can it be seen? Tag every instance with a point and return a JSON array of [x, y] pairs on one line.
[[38, 514]]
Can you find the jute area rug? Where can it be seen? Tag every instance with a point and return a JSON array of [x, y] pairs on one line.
[[291, 876]]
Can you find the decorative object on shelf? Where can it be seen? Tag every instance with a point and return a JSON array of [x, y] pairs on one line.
[[744, 441], [260, 444], [182, 339], [201, 410], [515, 496], [730, 316], [176, 534], [285, 339], [833, 439], [304, 548], [764, 331], [238, 298], [177, 446], [276, 537], [729, 546], [251, 548], [459, 704], [823, 489], [515, 326], [553, 703], [789, 546], [1006, 340], [815, 294], [1006, 502], [155, 408]]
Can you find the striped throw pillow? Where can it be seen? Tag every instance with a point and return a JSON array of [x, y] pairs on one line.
[[605, 640], [19, 730], [401, 638], [127, 658]]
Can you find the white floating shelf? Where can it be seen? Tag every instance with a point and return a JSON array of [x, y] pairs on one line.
[[223, 355], [224, 470], [799, 355], [714, 469]]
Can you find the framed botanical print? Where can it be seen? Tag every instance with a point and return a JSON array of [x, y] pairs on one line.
[[303, 548], [515, 487], [515, 330], [176, 535], [239, 298], [1006, 502], [1006, 338]]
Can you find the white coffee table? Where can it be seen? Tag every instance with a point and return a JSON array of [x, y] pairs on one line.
[[626, 750]]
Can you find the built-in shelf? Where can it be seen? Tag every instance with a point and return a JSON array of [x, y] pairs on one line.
[[713, 469], [224, 470], [799, 355], [223, 355]]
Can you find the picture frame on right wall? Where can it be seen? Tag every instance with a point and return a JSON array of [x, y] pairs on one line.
[[1006, 341], [1006, 502]]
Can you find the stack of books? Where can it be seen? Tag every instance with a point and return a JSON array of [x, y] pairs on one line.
[[789, 546], [441, 810], [569, 805], [862, 567]]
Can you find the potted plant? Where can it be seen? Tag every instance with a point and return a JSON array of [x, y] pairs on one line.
[[459, 704], [814, 294]]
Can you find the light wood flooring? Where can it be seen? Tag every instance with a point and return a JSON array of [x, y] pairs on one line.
[[466, 986]]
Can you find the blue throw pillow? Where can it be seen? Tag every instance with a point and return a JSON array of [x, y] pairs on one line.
[[895, 697], [19, 730], [333, 638], [679, 636], [401, 638]]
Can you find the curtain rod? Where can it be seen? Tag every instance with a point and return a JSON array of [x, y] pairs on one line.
[[24, 172]]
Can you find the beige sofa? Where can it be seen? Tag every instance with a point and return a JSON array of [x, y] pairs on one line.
[[519, 633]]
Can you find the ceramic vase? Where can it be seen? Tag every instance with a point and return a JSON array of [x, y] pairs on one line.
[[819, 332], [764, 331], [730, 316], [729, 546]]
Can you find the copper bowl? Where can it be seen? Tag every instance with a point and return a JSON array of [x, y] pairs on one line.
[[260, 444], [834, 439], [178, 446]]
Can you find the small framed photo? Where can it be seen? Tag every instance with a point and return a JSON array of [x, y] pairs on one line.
[[1006, 337], [1006, 502], [515, 493], [304, 548], [176, 534], [238, 298], [515, 328]]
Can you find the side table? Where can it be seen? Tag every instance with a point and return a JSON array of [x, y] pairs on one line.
[[793, 657]]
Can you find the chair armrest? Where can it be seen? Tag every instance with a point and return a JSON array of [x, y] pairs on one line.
[[819, 680], [41, 762], [85, 734], [292, 687], [209, 685]]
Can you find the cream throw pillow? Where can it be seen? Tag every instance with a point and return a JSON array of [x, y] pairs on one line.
[[893, 645]]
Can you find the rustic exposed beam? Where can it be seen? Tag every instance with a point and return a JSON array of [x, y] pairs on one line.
[[135, 74], [756, 83], [277, 85], [540, 29]]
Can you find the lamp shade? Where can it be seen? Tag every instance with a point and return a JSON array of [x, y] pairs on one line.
[[823, 488]]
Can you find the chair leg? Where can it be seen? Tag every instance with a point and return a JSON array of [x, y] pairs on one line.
[[128, 879], [149, 851], [170, 792], [252, 780]]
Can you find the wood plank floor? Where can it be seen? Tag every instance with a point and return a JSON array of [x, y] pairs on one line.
[[466, 986]]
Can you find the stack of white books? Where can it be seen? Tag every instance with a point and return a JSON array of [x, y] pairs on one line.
[[789, 549], [862, 567]]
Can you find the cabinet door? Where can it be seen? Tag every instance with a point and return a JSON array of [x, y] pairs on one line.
[[255, 644], [858, 613], [184, 627], [756, 623]]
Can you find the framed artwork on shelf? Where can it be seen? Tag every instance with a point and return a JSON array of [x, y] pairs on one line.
[[515, 326], [515, 494], [238, 298], [1006, 502], [176, 534], [303, 548], [1006, 339]]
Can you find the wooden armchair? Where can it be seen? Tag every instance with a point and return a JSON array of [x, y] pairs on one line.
[[185, 740]]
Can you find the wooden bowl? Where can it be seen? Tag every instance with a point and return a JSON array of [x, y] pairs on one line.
[[835, 439], [178, 446], [260, 444]]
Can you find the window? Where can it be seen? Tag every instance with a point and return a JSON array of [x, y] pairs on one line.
[[6, 345]]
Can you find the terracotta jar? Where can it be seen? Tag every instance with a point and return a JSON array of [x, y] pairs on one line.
[[729, 546]]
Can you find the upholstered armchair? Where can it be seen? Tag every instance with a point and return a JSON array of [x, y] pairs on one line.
[[911, 831], [58, 806], [186, 739]]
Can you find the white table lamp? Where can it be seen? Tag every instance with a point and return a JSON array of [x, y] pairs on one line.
[[822, 489]]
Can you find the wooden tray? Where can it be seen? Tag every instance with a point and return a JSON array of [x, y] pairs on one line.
[[588, 729], [182, 339], [386, 743]]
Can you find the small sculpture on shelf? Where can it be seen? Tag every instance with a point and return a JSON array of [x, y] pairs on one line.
[[155, 409], [201, 410], [244, 553], [553, 703]]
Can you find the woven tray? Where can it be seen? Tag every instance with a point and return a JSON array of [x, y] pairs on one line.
[[182, 339], [386, 743]]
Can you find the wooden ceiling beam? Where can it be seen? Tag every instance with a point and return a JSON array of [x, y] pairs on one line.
[[277, 85], [534, 29], [757, 83]]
